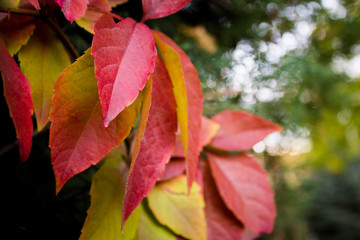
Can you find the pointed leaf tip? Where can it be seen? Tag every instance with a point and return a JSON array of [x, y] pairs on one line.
[[161, 8], [121, 66]]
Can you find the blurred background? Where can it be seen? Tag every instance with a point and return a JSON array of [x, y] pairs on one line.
[[294, 62]]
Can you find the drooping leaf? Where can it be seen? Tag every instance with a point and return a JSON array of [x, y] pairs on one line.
[[17, 95], [173, 207], [221, 222], [35, 4], [150, 229], [161, 8], [16, 31], [243, 185], [78, 137], [241, 130], [95, 10], [103, 219], [157, 143], [73, 9], [42, 60], [209, 128], [174, 168], [124, 59], [188, 99]]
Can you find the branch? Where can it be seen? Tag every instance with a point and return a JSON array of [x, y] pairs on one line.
[[27, 12]]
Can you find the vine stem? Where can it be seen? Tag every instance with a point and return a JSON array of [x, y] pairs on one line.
[[27, 12]]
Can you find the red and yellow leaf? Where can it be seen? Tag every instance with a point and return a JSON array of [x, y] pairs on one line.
[[103, 219], [157, 142], [42, 60], [161, 8], [34, 3], [78, 137], [73, 9], [16, 31], [241, 130], [221, 222], [188, 99], [243, 185], [124, 59], [174, 208], [17, 93], [209, 128]]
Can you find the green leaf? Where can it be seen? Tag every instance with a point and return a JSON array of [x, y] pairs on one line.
[[182, 213], [150, 229], [107, 193]]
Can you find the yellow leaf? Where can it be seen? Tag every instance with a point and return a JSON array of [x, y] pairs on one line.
[[182, 213], [107, 193], [42, 60]]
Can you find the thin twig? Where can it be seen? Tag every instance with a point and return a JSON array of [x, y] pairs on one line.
[[63, 38], [27, 12]]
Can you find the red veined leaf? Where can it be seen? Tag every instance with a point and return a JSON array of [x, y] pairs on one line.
[[161, 8], [78, 137], [124, 59], [16, 31], [208, 130], [244, 187], [191, 129], [157, 144], [221, 222], [73, 9], [34, 3], [17, 93], [173, 169], [241, 130]]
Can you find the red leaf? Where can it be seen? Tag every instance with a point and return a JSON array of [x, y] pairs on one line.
[[157, 144], [73, 9], [194, 108], [161, 8], [34, 3], [78, 137], [244, 187], [240, 130], [124, 59], [174, 168], [17, 93], [221, 222]]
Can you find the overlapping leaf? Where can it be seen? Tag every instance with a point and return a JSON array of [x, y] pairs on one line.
[[182, 213], [150, 229], [124, 59], [42, 60], [240, 130], [157, 142], [244, 187], [78, 137], [73, 9], [188, 99], [17, 94], [221, 222], [161, 8], [16, 31], [173, 169], [107, 193]]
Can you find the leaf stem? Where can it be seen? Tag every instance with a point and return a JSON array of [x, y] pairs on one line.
[[27, 12], [63, 38]]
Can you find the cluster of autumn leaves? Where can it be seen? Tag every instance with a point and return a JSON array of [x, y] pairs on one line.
[[93, 104]]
